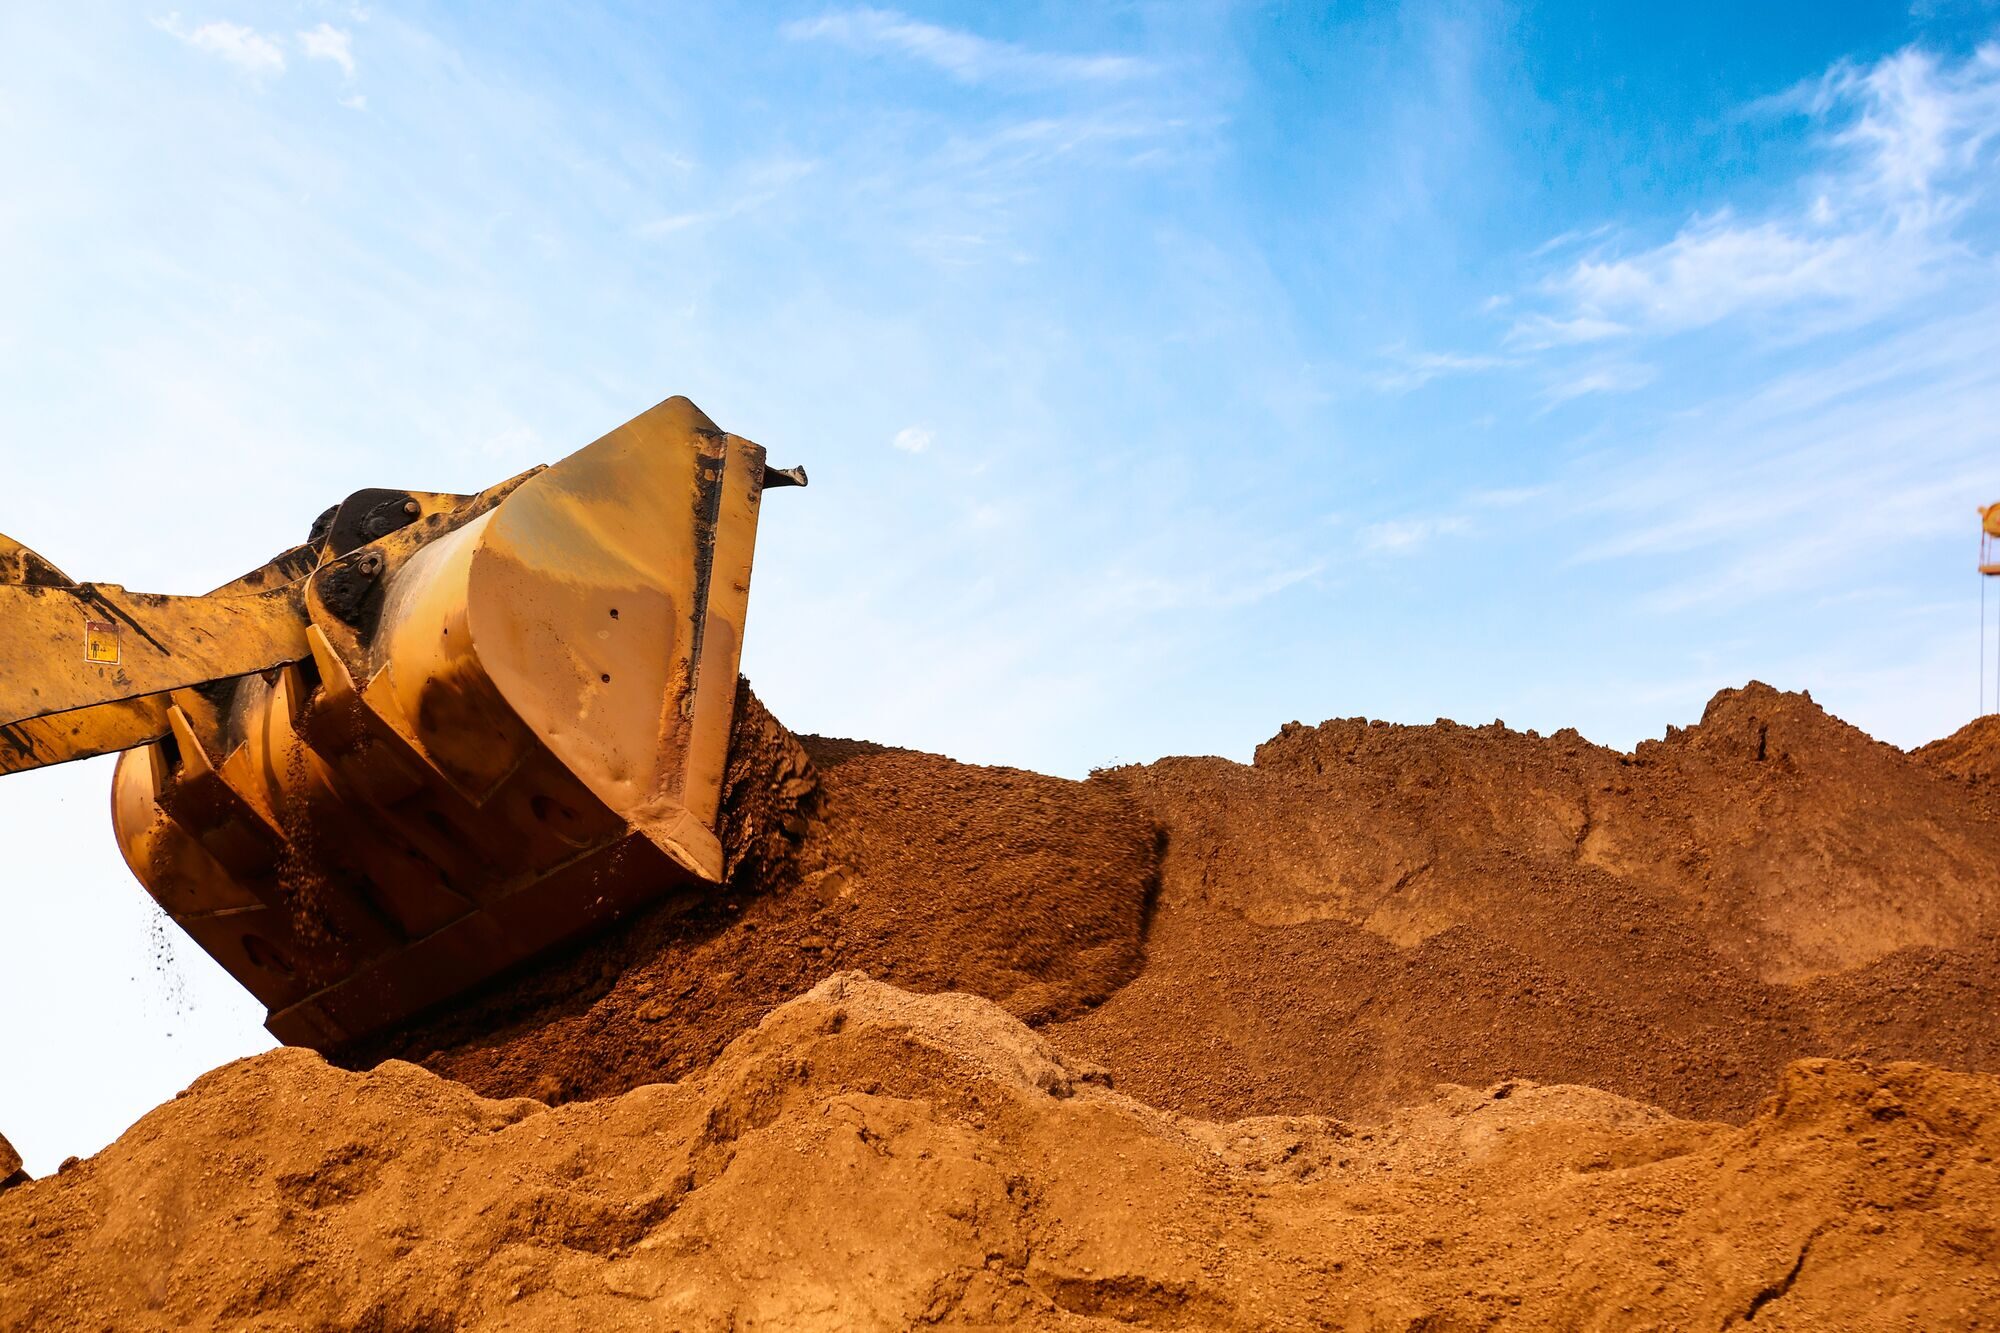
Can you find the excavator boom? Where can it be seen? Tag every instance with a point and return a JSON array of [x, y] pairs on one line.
[[445, 734]]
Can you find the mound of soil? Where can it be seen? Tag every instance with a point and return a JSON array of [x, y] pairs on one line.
[[1028, 890], [1369, 909], [1971, 754], [870, 1158], [1363, 912]]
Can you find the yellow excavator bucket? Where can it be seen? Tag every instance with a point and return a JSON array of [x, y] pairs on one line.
[[445, 734]]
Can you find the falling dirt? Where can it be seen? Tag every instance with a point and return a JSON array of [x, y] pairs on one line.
[[1395, 1027]]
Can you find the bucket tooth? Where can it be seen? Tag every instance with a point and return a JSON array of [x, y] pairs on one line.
[[242, 838]]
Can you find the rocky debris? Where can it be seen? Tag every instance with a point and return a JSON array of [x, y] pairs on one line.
[[865, 1157]]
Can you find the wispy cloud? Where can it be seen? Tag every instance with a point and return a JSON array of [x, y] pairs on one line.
[[1604, 377], [1408, 535], [1575, 236], [1813, 479], [1907, 141], [1413, 370], [1506, 497], [912, 439], [329, 43], [1126, 591], [245, 48], [963, 55], [749, 189], [1538, 332], [262, 55]]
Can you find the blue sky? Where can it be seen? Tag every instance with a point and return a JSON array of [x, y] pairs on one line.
[[1166, 372]]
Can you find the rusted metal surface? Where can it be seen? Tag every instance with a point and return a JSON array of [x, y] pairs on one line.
[[446, 734]]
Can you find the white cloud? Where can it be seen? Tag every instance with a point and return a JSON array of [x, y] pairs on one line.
[[964, 56], [1416, 369], [1575, 236], [1245, 582], [1918, 124], [1891, 440], [1506, 497], [1405, 536], [750, 188], [1610, 377], [1537, 333], [1907, 142], [1718, 267], [327, 42], [245, 48], [912, 439]]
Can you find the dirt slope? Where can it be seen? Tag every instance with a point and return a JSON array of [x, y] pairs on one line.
[[1368, 909], [1027, 889], [1971, 754], [1363, 912], [869, 1158]]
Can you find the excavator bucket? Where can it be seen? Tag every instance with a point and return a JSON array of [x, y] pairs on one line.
[[446, 734]]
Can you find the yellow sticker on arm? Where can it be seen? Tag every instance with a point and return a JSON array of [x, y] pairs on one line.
[[100, 641]]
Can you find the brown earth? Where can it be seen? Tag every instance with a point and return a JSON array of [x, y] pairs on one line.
[[1262, 997], [1368, 909], [866, 1158], [933, 875], [1364, 911], [1971, 754]]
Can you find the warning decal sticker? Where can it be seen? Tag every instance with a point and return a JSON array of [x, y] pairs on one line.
[[100, 641]]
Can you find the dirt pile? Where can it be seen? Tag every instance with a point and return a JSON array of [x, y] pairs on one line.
[[1364, 911], [870, 1158], [933, 875], [1971, 754], [1369, 909], [1431, 933]]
